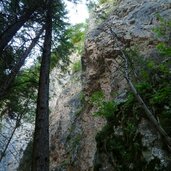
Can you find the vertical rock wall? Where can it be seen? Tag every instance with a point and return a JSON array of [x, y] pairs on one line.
[[73, 127]]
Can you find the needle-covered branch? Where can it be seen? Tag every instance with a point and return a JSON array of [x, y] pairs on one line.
[[5, 86]]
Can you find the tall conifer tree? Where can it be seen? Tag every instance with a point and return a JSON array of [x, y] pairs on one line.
[[40, 160]]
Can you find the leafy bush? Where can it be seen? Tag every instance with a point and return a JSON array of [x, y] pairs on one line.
[[107, 109], [97, 98], [104, 108]]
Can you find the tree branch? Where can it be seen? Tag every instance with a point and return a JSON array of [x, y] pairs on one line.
[[148, 113], [12, 134]]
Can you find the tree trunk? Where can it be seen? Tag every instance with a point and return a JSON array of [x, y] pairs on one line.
[[12, 30], [40, 159], [17, 67]]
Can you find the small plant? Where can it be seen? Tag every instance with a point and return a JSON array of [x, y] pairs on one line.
[[76, 67], [97, 98], [107, 109], [163, 33], [107, 1], [104, 108]]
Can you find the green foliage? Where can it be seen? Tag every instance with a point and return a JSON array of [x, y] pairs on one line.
[[163, 32], [107, 109], [120, 143], [97, 98], [161, 96], [71, 40], [76, 67], [54, 60], [153, 77], [7, 62], [164, 49], [155, 83], [64, 47], [107, 1], [143, 87], [21, 97], [77, 36], [22, 94], [104, 108], [122, 147]]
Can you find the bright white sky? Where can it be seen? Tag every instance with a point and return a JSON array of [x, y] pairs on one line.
[[78, 13]]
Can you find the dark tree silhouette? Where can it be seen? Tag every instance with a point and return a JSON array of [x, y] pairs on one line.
[[40, 159], [7, 83]]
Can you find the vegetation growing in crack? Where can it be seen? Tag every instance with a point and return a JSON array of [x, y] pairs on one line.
[[104, 108], [109, 2], [76, 67], [101, 10]]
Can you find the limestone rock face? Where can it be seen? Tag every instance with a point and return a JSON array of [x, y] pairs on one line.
[[17, 145], [73, 130], [62, 122], [132, 21], [130, 24], [72, 125]]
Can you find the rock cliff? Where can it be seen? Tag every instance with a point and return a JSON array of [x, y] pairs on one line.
[[74, 129]]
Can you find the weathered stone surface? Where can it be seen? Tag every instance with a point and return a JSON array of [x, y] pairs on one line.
[[90, 126], [73, 129], [132, 21], [62, 121], [151, 140], [17, 145]]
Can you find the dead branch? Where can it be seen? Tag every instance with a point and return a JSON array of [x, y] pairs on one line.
[[148, 112], [12, 134]]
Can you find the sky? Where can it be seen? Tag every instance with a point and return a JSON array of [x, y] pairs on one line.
[[78, 13]]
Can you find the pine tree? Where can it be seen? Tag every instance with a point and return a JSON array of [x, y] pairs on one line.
[[40, 159]]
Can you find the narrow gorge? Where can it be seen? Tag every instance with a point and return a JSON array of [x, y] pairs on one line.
[[97, 119]]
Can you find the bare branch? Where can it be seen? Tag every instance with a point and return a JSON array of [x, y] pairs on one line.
[[12, 134], [148, 112]]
